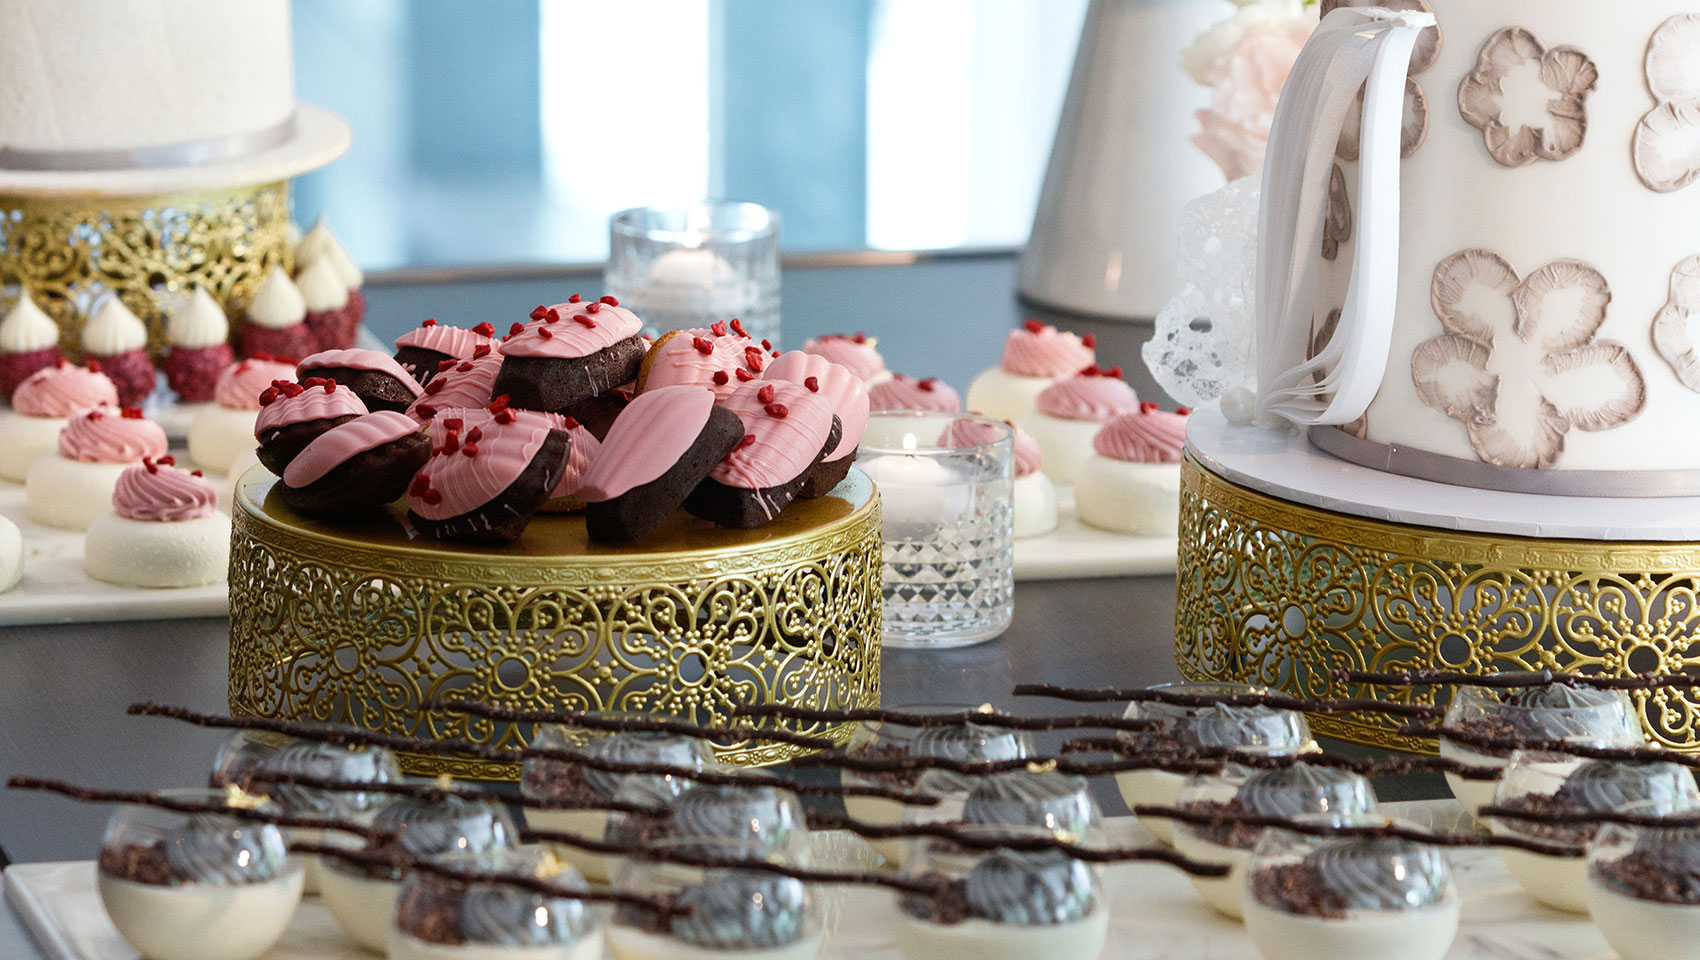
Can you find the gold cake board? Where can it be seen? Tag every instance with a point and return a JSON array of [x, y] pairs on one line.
[[359, 623], [1278, 593]]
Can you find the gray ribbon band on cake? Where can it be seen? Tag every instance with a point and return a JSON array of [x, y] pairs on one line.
[[187, 153], [1424, 465]]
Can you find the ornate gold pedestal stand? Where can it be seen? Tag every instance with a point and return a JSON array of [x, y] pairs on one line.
[[1278, 593], [71, 251], [359, 624]]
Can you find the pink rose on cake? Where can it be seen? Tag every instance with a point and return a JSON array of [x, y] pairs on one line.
[[1245, 61]]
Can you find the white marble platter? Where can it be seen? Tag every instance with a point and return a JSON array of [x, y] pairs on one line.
[[1075, 551], [1154, 912]]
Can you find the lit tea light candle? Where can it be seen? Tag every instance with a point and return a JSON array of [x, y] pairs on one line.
[[918, 491]]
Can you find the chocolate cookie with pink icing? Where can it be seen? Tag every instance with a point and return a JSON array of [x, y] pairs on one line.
[[721, 358], [585, 448], [292, 415], [847, 395], [223, 430], [907, 393], [1035, 355], [422, 350], [856, 352], [1132, 482], [489, 471], [659, 449], [40, 408], [164, 530], [1069, 413], [570, 353], [376, 378], [72, 487], [356, 467], [788, 429], [458, 385]]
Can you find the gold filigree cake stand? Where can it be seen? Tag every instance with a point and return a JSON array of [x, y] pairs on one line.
[[70, 251], [357, 623], [1278, 593]]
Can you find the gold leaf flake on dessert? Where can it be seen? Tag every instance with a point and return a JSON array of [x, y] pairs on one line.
[[1666, 146], [1519, 364], [1337, 228], [1529, 102], [237, 798], [1673, 328]]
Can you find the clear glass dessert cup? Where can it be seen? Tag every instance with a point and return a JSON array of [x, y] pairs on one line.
[[968, 742], [546, 780], [443, 918], [1000, 904], [1059, 803], [1348, 898], [1289, 792], [245, 758], [1550, 712], [764, 821], [363, 898], [1542, 782], [198, 886], [1643, 889], [1253, 729], [731, 913]]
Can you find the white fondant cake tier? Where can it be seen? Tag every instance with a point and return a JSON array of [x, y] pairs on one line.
[[92, 75], [1541, 222]]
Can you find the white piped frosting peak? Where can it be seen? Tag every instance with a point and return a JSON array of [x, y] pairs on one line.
[[321, 243], [292, 234], [277, 302], [114, 330], [198, 323], [321, 286], [27, 329]]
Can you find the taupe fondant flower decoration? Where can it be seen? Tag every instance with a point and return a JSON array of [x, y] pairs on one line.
[[1673, 328], [1423, 55], [1337, 228], [1519, 365], [1515, 72], [1667, 140]]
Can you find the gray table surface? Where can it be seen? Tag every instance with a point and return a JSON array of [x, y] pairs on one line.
[[63, 689]]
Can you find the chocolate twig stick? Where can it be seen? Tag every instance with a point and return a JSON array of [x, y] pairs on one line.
[[432, 793], [1389, 767], [1675, 821], [351, 735], [1393, 830], [664, 855], [1155, 761], [1586, 751], [1278, 701], [592, 721], [179, 805], [990, 839], [401, 860], [1511, 681], [902, 718]]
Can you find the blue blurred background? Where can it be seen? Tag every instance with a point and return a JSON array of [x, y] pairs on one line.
[[506, 131]]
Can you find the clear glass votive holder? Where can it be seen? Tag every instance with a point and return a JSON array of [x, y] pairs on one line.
[[695, 266], [946, 483]]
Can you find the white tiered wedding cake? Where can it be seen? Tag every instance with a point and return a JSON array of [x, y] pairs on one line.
[[1541, 336], [96, 76]]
